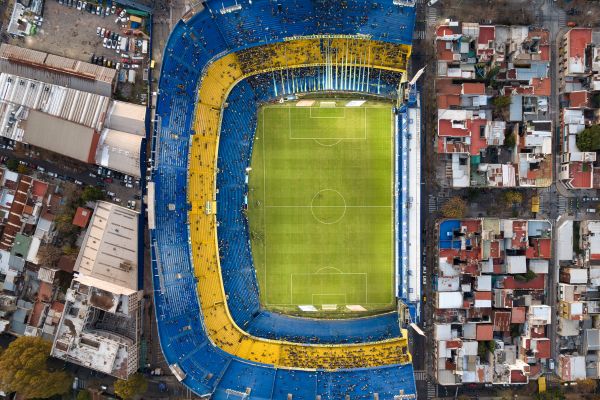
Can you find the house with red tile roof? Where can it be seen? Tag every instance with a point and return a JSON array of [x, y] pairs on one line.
[[490, 288], [579, 78], [475, 122]]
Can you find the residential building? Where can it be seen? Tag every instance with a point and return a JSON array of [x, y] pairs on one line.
[[579, 73], [490, 317], [492, 87]]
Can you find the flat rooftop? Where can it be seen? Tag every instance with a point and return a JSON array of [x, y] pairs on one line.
[[110, 248]]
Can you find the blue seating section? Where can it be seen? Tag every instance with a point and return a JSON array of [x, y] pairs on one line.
[[192, 45], [304, 330], [268, 21]]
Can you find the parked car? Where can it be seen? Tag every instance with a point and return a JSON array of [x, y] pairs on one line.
[[102, 31], [98, 10], [77, 182]]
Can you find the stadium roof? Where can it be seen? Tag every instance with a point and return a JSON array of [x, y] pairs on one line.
[[110, 248], [120, 151], [126, 117], [57, 70]]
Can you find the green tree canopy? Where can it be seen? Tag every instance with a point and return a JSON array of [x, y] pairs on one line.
[[455, 207], [589, 139], [513, 197], [12, 164], [23, 369], [136, 384], [84, 395], [92, 193], [501, 102]]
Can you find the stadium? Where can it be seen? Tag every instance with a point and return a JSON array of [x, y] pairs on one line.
[[283, 200]]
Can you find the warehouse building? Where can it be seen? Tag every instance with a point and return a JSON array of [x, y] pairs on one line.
[[84, 126], [57, 70]]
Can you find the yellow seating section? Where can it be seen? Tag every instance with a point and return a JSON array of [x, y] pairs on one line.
[[337, 51], [219, 78]]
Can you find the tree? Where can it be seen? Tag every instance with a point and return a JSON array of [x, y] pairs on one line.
[[22, 169], [136, 384], [48, 255], [587, 385], [455, 207], [512, 197], [23, 369], [64, 221], [84, 395], [91, 193], [501, 102], [589, 139], [509, 140], [12, 164]]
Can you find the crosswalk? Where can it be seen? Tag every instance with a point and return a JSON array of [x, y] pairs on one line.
[[432, 204], [432, 16], [562, 19], [431, 390], [420, 375], [419, 35], [562, 205], [431, 386]]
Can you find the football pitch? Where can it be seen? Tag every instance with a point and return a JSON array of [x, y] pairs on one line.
[[320, 205]]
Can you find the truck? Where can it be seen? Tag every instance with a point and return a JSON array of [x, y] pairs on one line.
[[535, 204], [123, 44]]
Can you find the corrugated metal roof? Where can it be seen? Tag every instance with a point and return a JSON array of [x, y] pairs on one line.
[[57, 70], [83, 108]]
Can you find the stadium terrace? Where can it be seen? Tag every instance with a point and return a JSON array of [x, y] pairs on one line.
[[226, 61]]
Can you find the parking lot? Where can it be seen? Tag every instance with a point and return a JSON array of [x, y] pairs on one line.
[[75, 33], [118, 188], [69, 32]]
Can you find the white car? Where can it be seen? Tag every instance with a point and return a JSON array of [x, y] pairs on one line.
[[99, 31], [105, 42], [102, 32]]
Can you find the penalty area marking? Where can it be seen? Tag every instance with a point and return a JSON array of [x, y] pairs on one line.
[[340, 274], [291, 136]]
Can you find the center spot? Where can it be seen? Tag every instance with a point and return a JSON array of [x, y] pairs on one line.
[[328, 206]]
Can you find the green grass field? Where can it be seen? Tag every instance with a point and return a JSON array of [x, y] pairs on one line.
[[320, 205]]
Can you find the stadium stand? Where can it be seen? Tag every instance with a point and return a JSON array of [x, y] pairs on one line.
[[206, 293]]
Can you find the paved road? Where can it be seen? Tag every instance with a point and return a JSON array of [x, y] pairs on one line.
[[82, 174]]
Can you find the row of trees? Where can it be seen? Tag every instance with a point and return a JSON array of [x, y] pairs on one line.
[[24, 369], [456, 207]]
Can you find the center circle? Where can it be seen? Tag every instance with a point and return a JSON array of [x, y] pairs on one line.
[[328, 206]]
